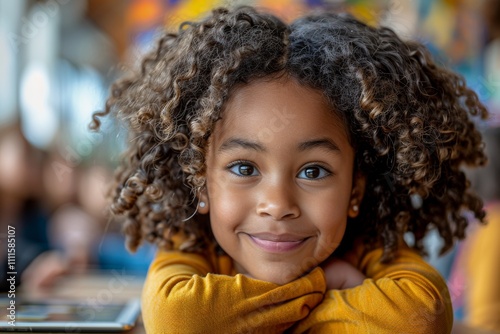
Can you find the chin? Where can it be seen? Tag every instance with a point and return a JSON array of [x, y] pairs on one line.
[[280, 276], [282, 280]]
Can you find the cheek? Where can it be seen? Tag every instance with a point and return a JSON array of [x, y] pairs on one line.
[[224, 211], [330, 212], [335, 232], [227, 206], [227, 213], [333, 225]]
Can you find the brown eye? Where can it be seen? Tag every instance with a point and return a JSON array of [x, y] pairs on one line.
[[243, 169], [246, 170], [312, 172]]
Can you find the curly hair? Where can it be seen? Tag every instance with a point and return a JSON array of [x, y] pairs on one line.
[[409, 120]]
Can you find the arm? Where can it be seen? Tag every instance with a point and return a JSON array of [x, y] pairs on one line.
[[181, 293], [405, 296]]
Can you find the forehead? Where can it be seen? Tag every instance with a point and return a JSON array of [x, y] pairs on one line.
[[274, 104]]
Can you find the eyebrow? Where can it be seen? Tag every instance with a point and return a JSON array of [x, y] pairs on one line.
[[233, 143], [325, 143]]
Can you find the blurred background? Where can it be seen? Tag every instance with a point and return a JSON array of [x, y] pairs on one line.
[[57, 60]]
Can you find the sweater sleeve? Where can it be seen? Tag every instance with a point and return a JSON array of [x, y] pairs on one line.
[[404, 296], [181, 295]]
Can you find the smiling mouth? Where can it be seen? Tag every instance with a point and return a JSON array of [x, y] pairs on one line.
[[277, 243]]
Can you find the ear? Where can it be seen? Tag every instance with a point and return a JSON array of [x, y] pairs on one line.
[[203, 203], [357, 193]]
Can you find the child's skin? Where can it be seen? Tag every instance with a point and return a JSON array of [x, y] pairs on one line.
[[341, 275], [279, 194]]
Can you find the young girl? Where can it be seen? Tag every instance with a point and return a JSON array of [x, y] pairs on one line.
[[277, 167]]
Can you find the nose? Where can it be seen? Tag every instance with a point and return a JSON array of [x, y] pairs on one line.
[[278, 201]]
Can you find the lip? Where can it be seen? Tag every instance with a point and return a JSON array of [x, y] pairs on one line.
[[277, 243]]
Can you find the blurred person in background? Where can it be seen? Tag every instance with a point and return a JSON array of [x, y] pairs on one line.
[[56, 213], [73, 228], [21, 206], [74, 53], [82, 238]]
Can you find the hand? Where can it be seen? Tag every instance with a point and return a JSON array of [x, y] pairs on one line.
[[44, 270], [341, 274]]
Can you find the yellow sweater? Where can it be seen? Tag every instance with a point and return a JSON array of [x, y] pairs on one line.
[[482, 272], [189, 293]]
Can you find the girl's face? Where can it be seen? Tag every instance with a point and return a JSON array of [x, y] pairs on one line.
[[279, 180]]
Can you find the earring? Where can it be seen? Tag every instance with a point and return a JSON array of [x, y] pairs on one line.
[[355, 208], [202, 204]]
